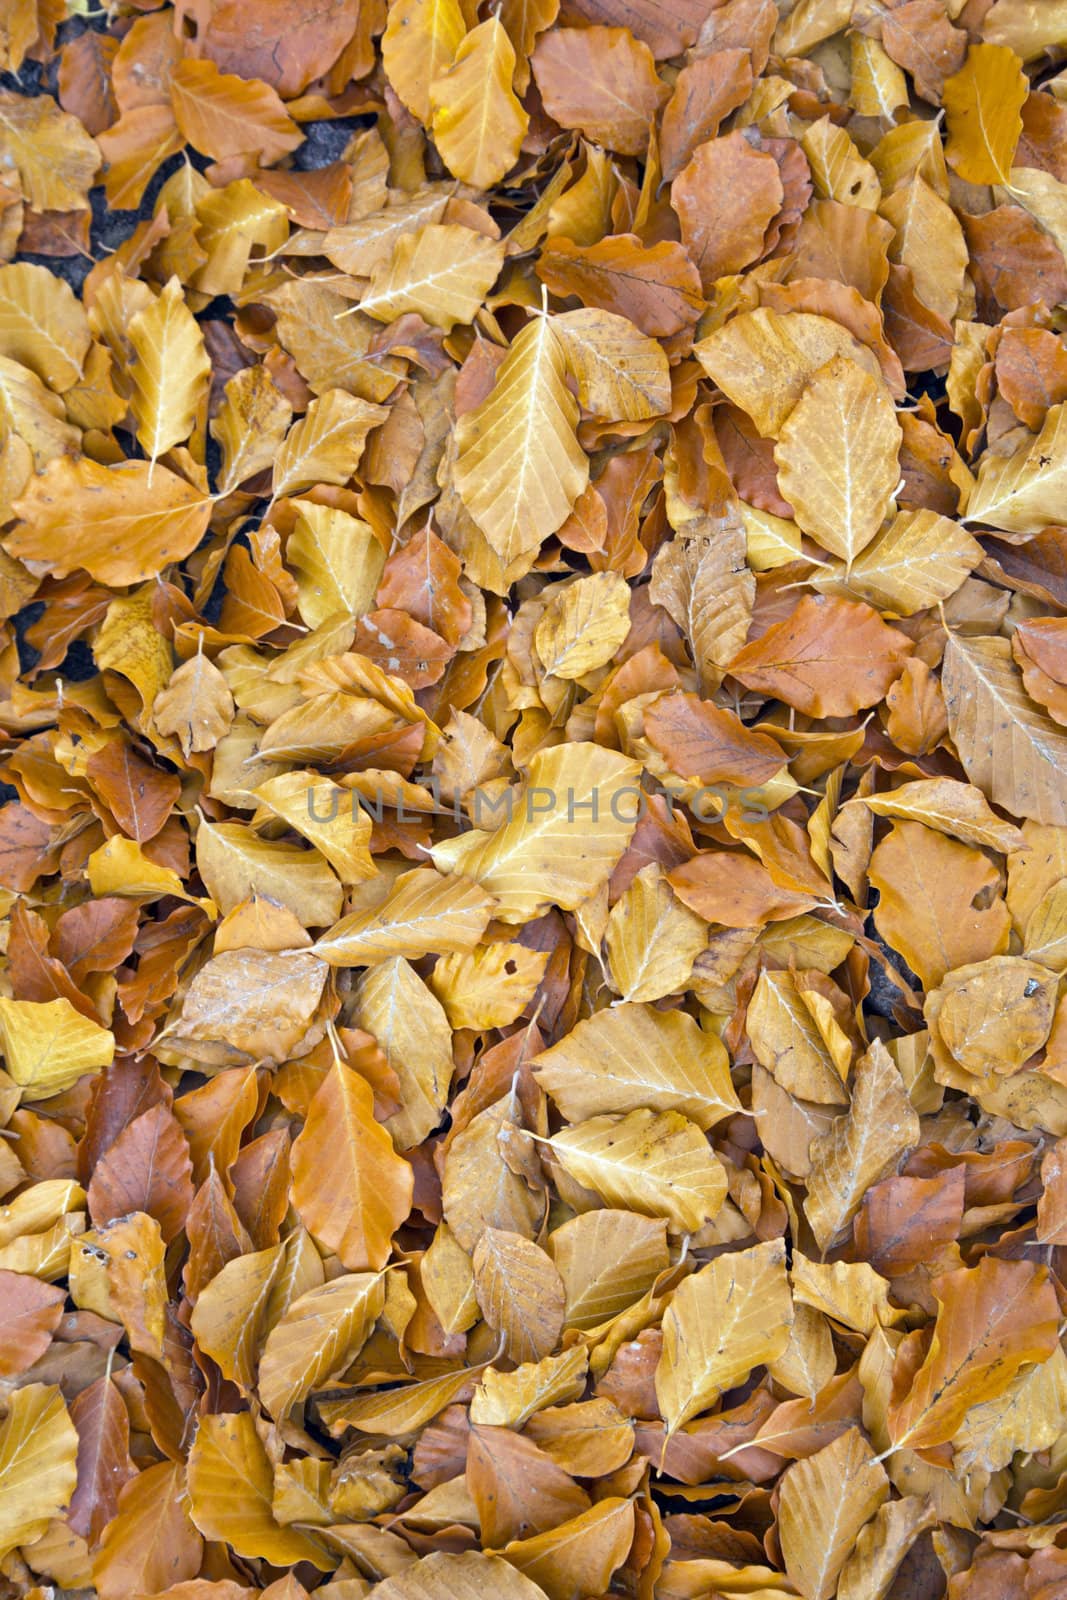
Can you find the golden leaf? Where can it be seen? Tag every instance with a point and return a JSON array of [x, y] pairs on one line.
[[652, 939], [957, 809], [991, 1320], [477, 122], [249, 426], [441, 272], [196, 706], [42, 325], [860, 1147], [825, 1501], [223, 115], [170, 373], [763, 360], [510, 1399], [338, 562], [622, 374], [113, 521], [632, 1057], [919, 559], [547, 853], [421, 911], [48, 1045], [519, 467], [702, 580], [1009, 746], [607, 1260], [235, 864], [787, 1042], [488, 987], [929, 242], [366, 245], [327, 816], [326, 445], [848, 1292], [658, 1163], [583, 625], [838, 170], [320, 1335], [229, 1317], [471, 1575], [350, 1188], [152, 1540], [38, 1463], [394, 1004], [397, 1411], [53, 154], [579, 1556], [983, 108], [230, 1493], [837, 457], [419, 43], [520, 1293], [880, 1547], [731, 1316], [1019, 494], [330, 341]]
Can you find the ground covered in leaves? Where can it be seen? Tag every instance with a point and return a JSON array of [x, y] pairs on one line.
[[533, 698]]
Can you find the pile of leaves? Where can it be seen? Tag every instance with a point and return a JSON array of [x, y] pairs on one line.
[[533, 698]]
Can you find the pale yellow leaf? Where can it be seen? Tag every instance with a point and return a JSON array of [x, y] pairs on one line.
[[421, 912], [731, 1316], [1020, 494], [170, 371], [326, 444], [622, 374], [583, 625], [249, 426], [441, 273], [337, 559], [328, 816], [38, 1470], [519, 467], [652, 939], [477, 121], [236, 863], [520, 1293], [837, 457], [657, 1163], [919, 559], [607, 1260], [42, 324], [48, 1045], [409, 1023]]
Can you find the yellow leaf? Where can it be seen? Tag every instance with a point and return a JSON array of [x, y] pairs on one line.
[[121, 867], [881, 1546], [50, 149], [230, 1493], [702, 580], [957, 809], [520, 1293], [248, 1005], [731, 1316], [622, 374], [524, 20], [879, 88], [510, 1399], [170, 373], [762, 360], [420, 41], [983, 107], [1031, 1415], [48, 1045], [652, 939], [235, 864], [320, 1335], [488, 987], [564, 834], [122, 524], [929, 241], [396, 1411], [658, 1163], [365, 246], [1009, 746], [422, 911], [919, 559], [38, 1463], [151, 1541], [860, 1147], [478, 124], [196, 706], [825, 1501], [230, 1314], [338, 562], [230, 221], [223, 115], [632, 1057], [583, 625], [787, 1042], [328, 816], [579, 1556], [1020, 494], [848, 1292], [42, 325], [519, 467], [350, 1188], [249, 426], [441, 273], [326, 445], [394, 1004], [607, 1260], [330, 341], [837, 457], [838, 170], [471, 1575]]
